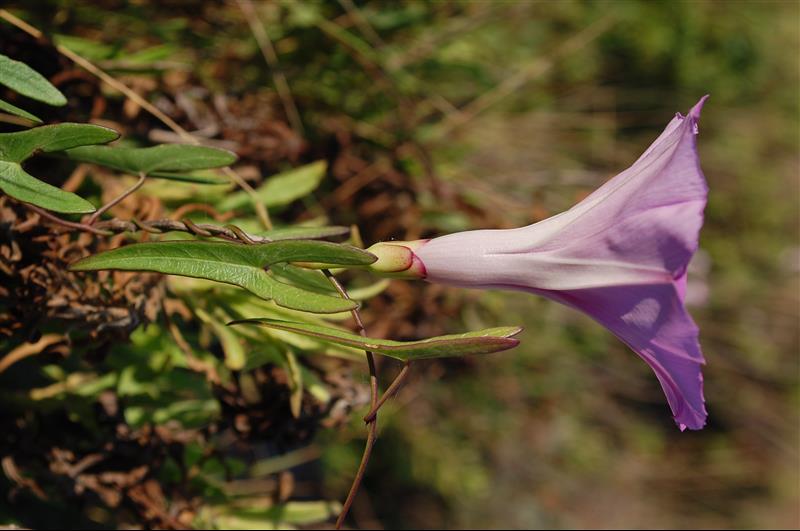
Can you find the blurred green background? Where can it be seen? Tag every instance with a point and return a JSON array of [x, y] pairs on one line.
[[500, 114], [571, 429]]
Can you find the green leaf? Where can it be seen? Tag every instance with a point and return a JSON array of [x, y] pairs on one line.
[[16, 111], [314, 280], [199, 178], [283, 516], [150, 55], [87, 48], [18, 146], [281, 189], [480, 342], [192, 413], [235, 356], [19, 184], [240, 265], [304, 233], [310, 279], [292, 368], [157, 161], [23, 79]]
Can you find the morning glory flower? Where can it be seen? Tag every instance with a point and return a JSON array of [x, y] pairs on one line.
[[620, 256]]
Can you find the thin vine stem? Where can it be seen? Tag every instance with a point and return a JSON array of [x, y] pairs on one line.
[[389, 393], [156, 226], [372, 425], [66, 223]]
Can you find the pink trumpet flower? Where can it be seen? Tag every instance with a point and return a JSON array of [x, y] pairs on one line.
[[620, 256]]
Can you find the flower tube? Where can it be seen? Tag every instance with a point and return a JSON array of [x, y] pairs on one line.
[[620, 256]]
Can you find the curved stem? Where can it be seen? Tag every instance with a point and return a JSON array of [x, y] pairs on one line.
[[156, 226], [103, 209]]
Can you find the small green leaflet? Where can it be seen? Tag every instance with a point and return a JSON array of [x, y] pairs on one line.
[[165, 161], [16, 111], [18, 146], [240, 265], [280, 189], [23, 79], [480, 342]]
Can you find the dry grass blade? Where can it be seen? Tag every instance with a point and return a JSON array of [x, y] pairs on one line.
[[268, 51], [533, 70]]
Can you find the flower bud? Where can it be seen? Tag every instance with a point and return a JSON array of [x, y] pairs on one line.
[[398, 259]]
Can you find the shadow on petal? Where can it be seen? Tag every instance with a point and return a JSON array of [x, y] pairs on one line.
[[653, 322]]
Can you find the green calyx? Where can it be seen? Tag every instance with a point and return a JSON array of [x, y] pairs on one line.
[[398, 259]]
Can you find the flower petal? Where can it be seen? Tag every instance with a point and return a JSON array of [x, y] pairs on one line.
[[620, 255], [653, 322]]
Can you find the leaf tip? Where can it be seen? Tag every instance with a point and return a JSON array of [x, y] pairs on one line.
[[513, 331]]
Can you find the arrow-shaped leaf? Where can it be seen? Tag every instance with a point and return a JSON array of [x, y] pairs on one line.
[[164, 161], [480, 342], [19, 184], [18, 146], [240, 265], [23, 79]]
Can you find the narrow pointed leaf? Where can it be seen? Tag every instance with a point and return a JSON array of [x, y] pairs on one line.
[[16, 111], [296, 298], [305, 233], [20, 185], [157, 161], [240, 265], [280, 189], [28, 82], [480, 342], [310, 279], [18, 146]]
